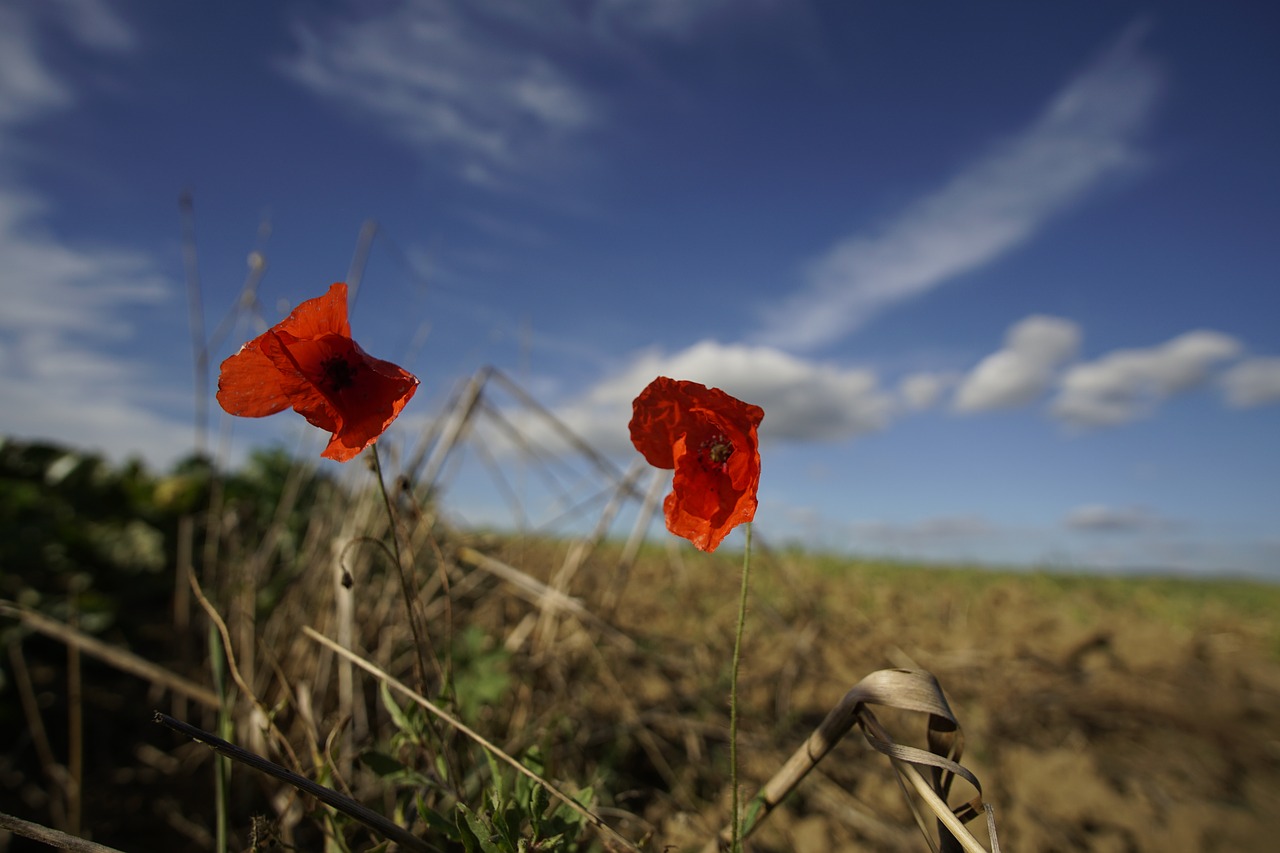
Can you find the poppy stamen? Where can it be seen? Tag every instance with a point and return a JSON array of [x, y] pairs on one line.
[[717, 448], [339, 374]]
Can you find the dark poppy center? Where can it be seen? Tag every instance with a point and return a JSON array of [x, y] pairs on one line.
[[339, 374], [715, 451]]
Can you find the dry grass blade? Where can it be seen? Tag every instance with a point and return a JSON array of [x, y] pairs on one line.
[[612, 838], [546, 598], [907, 689], [119, 658], [527, 587], [53, 771], [232, 668]]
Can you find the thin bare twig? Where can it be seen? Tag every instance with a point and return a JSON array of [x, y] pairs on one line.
[[75, 727], [52, 837], [328, 796], [53, 771]]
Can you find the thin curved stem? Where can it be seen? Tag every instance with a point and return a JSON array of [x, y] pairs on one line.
[[420, 635], [736, 832], [406, 588]]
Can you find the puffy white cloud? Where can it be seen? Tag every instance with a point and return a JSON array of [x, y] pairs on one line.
[[1127, 384], [1023, 369], [1085, 136], [1252, 382], [802, 400], [920, 391]]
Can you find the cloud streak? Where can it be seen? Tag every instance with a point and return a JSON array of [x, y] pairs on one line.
[[1085, 135]]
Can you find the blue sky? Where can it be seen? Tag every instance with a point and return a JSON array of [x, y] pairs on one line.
[[1002, 276]]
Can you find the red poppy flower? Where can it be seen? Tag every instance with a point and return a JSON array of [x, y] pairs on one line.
[[709, 438], [308, 361]]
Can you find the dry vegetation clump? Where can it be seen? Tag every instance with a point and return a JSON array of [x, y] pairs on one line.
[[1125, 714]]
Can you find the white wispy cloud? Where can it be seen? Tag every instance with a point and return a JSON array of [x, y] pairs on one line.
[[94, 24], [1086, 135], [67, 305], [1252, 382], [28, 88], [933, 528], [1113, 519], [1124, 385], [441, 77], [494, 91], [1021, 371], [674, 19], [50, 288]]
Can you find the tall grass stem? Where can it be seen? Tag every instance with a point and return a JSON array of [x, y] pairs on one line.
[[221, 766], [735, 843], [406, 588], [409, 591]]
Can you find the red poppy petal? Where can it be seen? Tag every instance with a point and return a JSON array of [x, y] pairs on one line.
[[308, 361], [291, 358], [657, 421], [249, 384], [324, 315], [339, 387], [375, 398], [668, 408]]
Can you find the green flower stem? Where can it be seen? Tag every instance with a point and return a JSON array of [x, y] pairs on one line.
[[420, 635], [406, 587], [736, 828]]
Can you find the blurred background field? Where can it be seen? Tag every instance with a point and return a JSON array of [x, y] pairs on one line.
[[1100, 713]]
